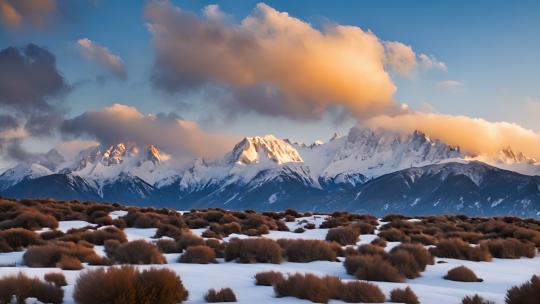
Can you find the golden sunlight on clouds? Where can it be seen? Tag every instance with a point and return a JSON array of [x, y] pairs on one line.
[[473, 135], [274, 64], [15, 13]]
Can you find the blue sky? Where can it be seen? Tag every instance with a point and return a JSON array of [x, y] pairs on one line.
[[491, 50]]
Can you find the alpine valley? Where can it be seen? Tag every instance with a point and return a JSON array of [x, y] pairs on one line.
[[373, 171]]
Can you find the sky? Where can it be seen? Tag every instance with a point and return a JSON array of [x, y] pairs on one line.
[[194, 76]]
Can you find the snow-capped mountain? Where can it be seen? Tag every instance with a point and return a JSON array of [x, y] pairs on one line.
[[366, 170], [103, 164], [21, 172]]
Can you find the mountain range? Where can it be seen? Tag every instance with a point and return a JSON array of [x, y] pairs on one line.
[[375, 171]]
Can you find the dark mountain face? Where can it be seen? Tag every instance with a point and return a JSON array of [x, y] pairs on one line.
[[463, 188]]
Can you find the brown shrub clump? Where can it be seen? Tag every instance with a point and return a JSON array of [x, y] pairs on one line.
[[361, 292], [135, 252], [268, 278], [509, 248], [372, 268], [394, 235], [304, 251], [527, 292], [255, 250], [321, 290], [303, 286], [462, 274], [222, 295], [406, 296], [370, 249], [379, 242], [19, 238], [22, 287], [201, 254], [167, 246], [49, 255], [410, 259], [343, 235], [57, 278], [127, 285], [96, 237], [68, 262], [476, 299], [458, 249], [189, 239]]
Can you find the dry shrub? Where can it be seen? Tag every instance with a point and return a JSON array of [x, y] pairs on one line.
[[458, 249], [219, 247], [168, 230], [304, 251], [528, 292], [22, 287], [476, 299], [189, 239], [127, 285], [303, 286], [256, 250], [135, 252], [19, 238], [31, 220], [333, 222], [406, 296], [97, 237], [421, 255], [394, 235], [51, 234], [321, 290], [370, 249], [268, 278], [222, 295], [343, 235], [49, 255], [57, 278], [68, 262], [159, 286], [167, 246], [361, 292], [364, 228], [103, 221], [119, 223], [509, 248], [461, 274], [405, 263], [372, 268], [201, 254], [379, 242]]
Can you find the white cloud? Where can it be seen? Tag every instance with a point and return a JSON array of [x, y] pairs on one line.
[[430, 62], [104, 57], [448, 84]]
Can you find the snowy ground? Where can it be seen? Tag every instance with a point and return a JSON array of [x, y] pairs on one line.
[[499, 275]]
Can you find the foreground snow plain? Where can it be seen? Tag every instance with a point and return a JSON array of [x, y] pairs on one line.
[[499, 274]]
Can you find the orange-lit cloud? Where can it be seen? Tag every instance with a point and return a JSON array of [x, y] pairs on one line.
[[15, 13], [100, 54], [400, 57], [473, 135], [271, 63], [121, 123]]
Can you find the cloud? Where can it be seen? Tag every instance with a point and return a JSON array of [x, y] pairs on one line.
[[29, 80], [100, 54], [448, 84], [16, 13], [121, 123], [430, 62], [473, 135], [270, 63], [400, 57]]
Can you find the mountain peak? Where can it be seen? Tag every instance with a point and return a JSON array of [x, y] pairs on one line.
[[256, 149]]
